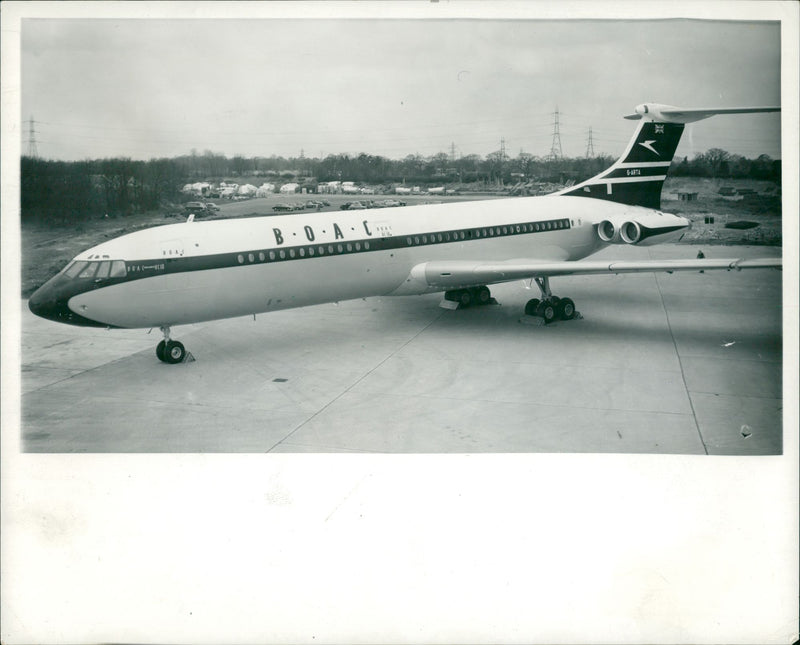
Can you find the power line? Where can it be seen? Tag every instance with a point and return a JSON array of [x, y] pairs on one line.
[[590, 145]]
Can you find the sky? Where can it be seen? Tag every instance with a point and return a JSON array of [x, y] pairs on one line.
[[147, 88]]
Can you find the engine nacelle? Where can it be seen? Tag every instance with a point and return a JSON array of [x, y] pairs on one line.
[[608, 232], [646, 228], [630, 232]]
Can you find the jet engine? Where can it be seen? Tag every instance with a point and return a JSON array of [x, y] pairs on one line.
[[608, 232], [645, 229], [629, 232]]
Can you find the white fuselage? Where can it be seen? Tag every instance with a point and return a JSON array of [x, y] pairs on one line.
[[252, 265]]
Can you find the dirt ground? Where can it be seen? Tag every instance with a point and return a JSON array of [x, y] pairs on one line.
[[763, 207], [47, 249]]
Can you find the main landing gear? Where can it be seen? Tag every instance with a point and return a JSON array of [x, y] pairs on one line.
[[550, 307], [170, 351], [468, 297]]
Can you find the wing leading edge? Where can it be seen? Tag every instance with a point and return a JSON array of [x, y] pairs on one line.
[[461, 274]]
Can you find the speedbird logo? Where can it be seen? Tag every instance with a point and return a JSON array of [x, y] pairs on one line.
[[649, 146]]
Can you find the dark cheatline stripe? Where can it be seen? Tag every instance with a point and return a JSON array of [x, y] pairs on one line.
[[163, 266], [651, 232]]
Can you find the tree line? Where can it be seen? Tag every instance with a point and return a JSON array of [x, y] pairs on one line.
[[74, 190]]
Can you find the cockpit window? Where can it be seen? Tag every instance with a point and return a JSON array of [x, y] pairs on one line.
[[75, 268], [89, 271], [99, 270], [102, 270]]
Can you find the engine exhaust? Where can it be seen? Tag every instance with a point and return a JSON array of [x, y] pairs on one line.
[[607, 232], [631, 232]]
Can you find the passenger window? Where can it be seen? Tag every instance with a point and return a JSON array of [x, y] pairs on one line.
[[117, 269], [102, 270], [89, 271]]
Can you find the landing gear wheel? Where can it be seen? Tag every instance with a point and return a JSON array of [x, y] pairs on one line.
[[547, 311], [465, 298], [482, 295], [531, 306], [174, 352], [160, 351], [565, 309]]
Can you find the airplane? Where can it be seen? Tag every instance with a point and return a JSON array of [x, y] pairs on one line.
[[199, 271]]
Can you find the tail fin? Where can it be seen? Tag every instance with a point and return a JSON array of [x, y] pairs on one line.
[[637, 176]]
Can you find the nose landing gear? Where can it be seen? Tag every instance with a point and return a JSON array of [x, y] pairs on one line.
[[170, 351], [550, 307]]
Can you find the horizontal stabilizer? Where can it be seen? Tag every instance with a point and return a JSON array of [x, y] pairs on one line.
[[671, 114]]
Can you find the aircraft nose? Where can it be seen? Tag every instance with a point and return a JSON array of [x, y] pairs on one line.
[[50, 301], [45, 304]]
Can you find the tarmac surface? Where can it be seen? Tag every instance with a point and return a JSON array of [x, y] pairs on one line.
[[683, 363]]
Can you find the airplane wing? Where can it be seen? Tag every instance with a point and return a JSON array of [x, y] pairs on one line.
[[460, 274]]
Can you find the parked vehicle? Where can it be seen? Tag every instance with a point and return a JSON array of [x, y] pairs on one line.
[[200, 207], [282, 207]]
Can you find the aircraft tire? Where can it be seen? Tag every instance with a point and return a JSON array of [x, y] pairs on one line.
[[174, 352], [465, 298], [547, 311], [531, 306], [160, 351], [565, 309], [482, 295]]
